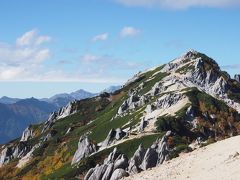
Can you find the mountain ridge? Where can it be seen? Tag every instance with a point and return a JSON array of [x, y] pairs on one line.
[[156, 115]]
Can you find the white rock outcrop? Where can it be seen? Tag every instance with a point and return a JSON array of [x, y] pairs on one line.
[[85, 149], [70, 109], [117, 166], [27, 134], [237, 77], [14, 151], [113, 136]]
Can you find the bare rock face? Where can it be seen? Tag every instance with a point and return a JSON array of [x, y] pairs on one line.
[[117, 166], [71, 108], [113, 136], [110, 168], [132, 102], [119, 134], [108, 172], [27, 134], [150, 108], [89, 173], [85, 149], [118, 174], [157, 154], [98, 172], [13, 152], [168, 100], [150, 159], [162, 148], [123, 107], [26, 158], [67, 110], [49, 123], [209, 80], [142, 125], [157, 88], [5, 156], [136, 160], [122, 162], [112, 156], [21, 150], [237, 77]]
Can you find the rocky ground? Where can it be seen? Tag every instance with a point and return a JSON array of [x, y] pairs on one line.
[[220, 160]]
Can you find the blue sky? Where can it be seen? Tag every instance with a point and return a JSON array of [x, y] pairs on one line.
[[49, 47]]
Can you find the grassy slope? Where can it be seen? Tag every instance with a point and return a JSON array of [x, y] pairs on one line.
[[53, 157]]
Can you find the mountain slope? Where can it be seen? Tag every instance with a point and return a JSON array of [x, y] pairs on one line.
[[167, 109]]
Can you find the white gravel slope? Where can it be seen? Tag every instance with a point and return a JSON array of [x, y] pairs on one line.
[[218, 161]]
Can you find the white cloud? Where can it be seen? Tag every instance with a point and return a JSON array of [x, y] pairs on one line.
[[15, 56], [180, 4], [25, 58], [100, 37], [42, 39], [7, 73], [129, 32], [32, 38], [27, 38]]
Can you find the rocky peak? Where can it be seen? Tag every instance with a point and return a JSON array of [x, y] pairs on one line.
[[237, 77], [136, 160], [191, 53], [14, 151], [85, 148], [113, 136], [191, 60], [70, 109], [27, 134]]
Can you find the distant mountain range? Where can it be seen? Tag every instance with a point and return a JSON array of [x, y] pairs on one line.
[[8, 100], [60, 100], [15, 117], [16, 114]]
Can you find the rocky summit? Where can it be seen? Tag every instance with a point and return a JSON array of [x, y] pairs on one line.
[[156, 115]]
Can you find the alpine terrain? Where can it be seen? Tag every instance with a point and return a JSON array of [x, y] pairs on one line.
[[158, 114]]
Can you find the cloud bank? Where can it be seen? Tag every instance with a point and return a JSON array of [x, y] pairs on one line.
[[180, 4], [24, 57], [30, 59]]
